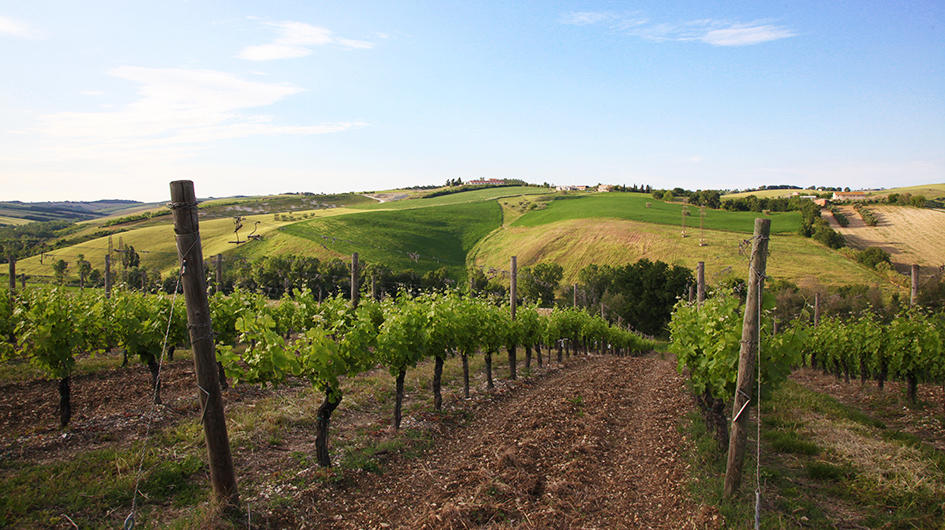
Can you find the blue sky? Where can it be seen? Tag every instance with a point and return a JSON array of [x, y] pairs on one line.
[[114, 99]]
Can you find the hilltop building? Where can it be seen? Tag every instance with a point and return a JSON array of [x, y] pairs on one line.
[[849, 196], [480, 182]]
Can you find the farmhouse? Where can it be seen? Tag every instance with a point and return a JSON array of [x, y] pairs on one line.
[[849, 196], [480, 182]]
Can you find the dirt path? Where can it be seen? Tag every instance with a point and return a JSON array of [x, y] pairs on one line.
[[591, 447]]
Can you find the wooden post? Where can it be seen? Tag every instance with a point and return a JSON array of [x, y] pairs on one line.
[[219, 264], [354, 280], [747, 357], [914, 297], [692, 292], [575, 296], [513, 303], [12, 261], [816, 309], [184, 208], [513, 290], [108, 274], [700, 278], [373, 287]]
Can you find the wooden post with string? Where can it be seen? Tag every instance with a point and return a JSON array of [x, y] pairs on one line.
[[355, 290], [747, 358], [219, 264], [914, 292], [108, 275], [700, 279], [184, 208], [513, 302], [12, 261]]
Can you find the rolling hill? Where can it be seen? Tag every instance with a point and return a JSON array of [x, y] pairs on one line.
[[482, 228]]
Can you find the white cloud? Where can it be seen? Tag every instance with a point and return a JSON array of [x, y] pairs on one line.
[[15, 28], [584, 18], [178, 111], [714, 32], [92, 93], [743, 35], [295, 40]]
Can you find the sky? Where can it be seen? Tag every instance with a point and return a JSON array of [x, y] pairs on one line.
[[108, 99]]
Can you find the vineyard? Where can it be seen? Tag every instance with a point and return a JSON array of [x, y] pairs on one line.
[[439, 408]]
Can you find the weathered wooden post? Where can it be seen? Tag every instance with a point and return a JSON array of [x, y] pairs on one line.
[[12, 261], [700, 279], [692, 292], [219, 264], [747, 357], [513, 302], [354, 280], [575, 296], [914, 295], [184, 208], [108, 274]]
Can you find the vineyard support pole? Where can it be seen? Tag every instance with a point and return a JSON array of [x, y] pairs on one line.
[[219, 264], [184, 209], [747, 357], [12, 261], [692, 292], [513, 302], [914, 295], [354, 280], [700, 278], [575, 296], [108, 275], [816, 309]]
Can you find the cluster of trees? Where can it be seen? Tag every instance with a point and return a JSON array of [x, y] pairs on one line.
[[906, 199], [708, 198], [640, 294], [275, 276]]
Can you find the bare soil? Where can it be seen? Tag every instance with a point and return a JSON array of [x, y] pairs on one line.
[[593, 444]]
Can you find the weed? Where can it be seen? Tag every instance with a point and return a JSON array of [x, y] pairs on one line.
[[790, 442]]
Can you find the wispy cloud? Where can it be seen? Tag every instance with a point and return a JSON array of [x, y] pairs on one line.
[[708, 31], [16, 28], [584, 18], [295, 39], [745, 34], [178, 111]]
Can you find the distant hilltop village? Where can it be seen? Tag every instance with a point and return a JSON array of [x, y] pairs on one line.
[[599, 187]]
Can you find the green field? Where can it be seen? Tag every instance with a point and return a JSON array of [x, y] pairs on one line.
[[441, 236], [485, 228], [640, 207], [487, 194]]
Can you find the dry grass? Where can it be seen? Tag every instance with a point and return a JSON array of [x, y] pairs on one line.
[[882, 465], [577, 243], [910, 235]]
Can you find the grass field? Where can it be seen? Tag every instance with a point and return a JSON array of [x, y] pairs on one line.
[[487, 194], [577, 243], [12, 221], [440, 236], [633, 207]]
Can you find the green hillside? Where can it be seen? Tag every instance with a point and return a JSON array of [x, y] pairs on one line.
[[643, 208], [436, 236], [487, 194], [482, 228]]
